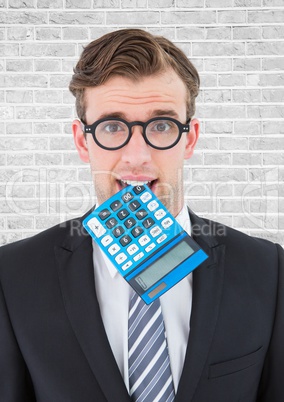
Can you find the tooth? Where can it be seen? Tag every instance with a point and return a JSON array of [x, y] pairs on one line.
[[135, 182]]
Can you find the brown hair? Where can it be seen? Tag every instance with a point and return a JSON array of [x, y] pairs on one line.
[[131, 53]]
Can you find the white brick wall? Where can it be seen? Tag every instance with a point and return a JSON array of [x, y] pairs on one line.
[[236, 175]]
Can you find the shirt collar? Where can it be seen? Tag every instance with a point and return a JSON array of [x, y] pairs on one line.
[[182, 218]]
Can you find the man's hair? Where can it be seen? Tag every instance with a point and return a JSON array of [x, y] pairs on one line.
[[133, 54]]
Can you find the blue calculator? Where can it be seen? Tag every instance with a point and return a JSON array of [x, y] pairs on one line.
[[144, 241]]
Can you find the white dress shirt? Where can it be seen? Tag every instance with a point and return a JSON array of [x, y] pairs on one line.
[[113, 294]]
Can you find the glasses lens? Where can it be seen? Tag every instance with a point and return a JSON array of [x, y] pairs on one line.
[[162, 133], [112, 133]]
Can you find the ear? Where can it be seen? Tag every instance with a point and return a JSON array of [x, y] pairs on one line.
[[80, 141], [191, 138]]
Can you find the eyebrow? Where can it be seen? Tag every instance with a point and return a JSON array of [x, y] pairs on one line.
[[153, 113]]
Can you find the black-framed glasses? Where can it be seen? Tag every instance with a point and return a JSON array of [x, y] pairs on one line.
[[159, 132]]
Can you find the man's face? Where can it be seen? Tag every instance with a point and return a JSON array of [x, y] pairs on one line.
[[154, 96]]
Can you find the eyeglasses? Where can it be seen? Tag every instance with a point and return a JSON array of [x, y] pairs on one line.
[[159, 132]]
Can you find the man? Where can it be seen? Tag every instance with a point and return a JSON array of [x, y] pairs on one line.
[[64, 308]]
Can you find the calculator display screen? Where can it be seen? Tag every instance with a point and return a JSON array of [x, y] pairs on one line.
[[164, 265]]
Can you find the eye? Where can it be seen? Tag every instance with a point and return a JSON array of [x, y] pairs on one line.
[[160, 126], [113, 127]]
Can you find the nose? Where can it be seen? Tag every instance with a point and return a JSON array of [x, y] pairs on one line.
[[137, 152]]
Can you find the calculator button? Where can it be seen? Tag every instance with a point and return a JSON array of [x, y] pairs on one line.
[[138, 189], [155, 231], [152, 205], [134, 205], [111, 223], [118, 231], [105, 213], [138, 256], [123, 214], [115, 205], [148, 223], [113, 249], [125, 240], [130, 222], [96, 227], [162, 238], [132, 249], [167, 223], [160, 214], [145, 197], [142, 213], [144, 240], [106, 240], [150, 247], [120, 258], [137, 231], [127, 197], [126, 265]]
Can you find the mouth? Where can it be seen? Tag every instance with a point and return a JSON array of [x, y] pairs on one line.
[[124, 183]]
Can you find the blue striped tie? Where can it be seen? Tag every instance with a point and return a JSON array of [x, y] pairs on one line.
[[150, 377]]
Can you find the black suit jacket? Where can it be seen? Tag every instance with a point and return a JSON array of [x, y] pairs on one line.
[[53, 346]]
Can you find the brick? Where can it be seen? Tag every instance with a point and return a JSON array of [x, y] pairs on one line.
[[61, 175], [273, 3], [62, 143], [50, 3], [6, 112], [273, 158], [18, 128], [247, 33], [28, 143], [43, 112], [44, 65], [48, 33], [47, 127], [217, 159], [273, 95], [266, 16], [265, 80], [266, 143], [106, 4], [162, 3], [222, 33], [247, 3], [247, 158], [259, 112], [218, 127], [272, 63], [8, 50], [20, 33], [50, 159], [190, 33], [2, 99], [219, 174], [217, 96], [76, 18], [48, 50], [265, 48], [22, 65], [273, 127], [75, 33], [21, 3], [78, 4], [232, 80], [24, 17], [72, 159], [235, 143], [134, 4], [20, 159], [246, 96], [208, 80], [48, 96], [188, 17], [23, 80], [218, 3], [219, 65], [227, 49], [232, 17], [222, 111], [19, 222], [246, 64], [2, 33], [167, 32], [272, 32], [132, 18], [19, 96], [187, 4]]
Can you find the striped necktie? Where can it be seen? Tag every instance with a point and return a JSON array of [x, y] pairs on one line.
[[150, 377]]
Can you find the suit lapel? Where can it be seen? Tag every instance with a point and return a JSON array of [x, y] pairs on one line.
[[207, 292], [75, 268]]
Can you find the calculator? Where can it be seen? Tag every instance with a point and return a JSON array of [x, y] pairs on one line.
[[144, 241]]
